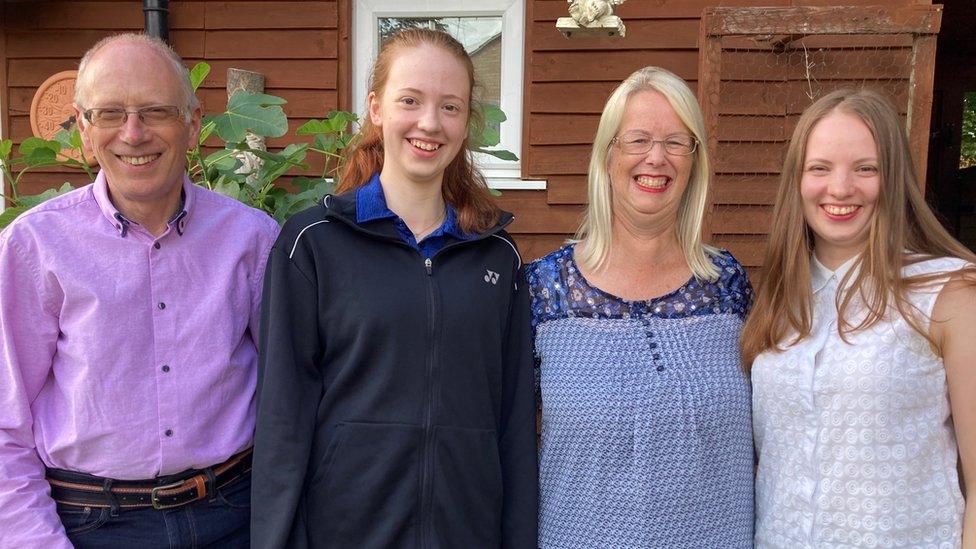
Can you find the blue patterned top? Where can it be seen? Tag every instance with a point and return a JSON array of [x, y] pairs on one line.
[[646, 421]]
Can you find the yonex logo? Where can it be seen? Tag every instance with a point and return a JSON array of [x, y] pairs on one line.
[[492, 277]]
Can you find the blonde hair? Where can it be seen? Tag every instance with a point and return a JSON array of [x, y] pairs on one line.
[[596, 228], [902, 222], [83, 82]]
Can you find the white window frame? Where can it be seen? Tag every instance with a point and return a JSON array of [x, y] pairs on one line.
[[500, 174]]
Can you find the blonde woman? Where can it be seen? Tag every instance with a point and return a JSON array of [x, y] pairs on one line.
[[646, 435], [861, 344]]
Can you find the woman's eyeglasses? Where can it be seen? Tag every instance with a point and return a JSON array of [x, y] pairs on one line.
[[641, 143]]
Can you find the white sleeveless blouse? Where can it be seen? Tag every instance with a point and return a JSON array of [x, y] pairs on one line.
[[855, 442]]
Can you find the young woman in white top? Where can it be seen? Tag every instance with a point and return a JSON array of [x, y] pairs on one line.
[[862, 345]]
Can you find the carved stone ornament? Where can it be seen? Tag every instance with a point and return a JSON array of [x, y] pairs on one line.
[[591, 18], [51, 109]]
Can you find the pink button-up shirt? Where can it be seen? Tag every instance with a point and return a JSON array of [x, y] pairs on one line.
[[122, 354]]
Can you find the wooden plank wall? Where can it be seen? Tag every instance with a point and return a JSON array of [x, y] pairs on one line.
[[567, 82], [303, 49], [296, 45]]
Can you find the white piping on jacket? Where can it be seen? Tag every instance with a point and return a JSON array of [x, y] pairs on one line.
[[517, 254], [300, 233]]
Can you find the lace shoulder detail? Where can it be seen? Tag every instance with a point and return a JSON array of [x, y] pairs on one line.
[[558, 290], [546, 280]]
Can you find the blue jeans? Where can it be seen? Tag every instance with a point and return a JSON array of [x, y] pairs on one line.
[[222, 521]]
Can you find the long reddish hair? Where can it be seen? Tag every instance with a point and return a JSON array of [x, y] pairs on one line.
[[463, 186]]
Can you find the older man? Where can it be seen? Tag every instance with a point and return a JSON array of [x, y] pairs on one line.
[[128, 312]]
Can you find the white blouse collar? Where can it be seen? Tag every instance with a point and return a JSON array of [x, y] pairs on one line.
[[820, 275]]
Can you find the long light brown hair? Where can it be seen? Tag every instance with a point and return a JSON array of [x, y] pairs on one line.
[[903, 231], [463, 187]]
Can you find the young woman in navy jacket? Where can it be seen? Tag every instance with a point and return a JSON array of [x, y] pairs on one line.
[[395, 391]]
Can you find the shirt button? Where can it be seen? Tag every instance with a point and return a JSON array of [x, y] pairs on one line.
[[656, 356], [652, 345], [161, 305], [165, 368], [168, 432], [660, 368], [156, 245]]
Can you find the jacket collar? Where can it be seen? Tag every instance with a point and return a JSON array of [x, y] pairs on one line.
[[343, 207], [371, 205]]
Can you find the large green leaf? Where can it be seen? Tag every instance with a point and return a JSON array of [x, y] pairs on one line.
[[63, 137], [228, 187], [342, 117], [198, 73], [489, 138], [315, 127], [493, 114], [34, 200], [9, 214], [38, 158], [206, 129], [32, 144], [223, 158], [325, 144], [499, 153], [75, 141], [274, 167], [290, 204], [255, 112], [334, 122]]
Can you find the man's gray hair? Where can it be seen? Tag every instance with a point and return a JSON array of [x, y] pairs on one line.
[[83, 83]]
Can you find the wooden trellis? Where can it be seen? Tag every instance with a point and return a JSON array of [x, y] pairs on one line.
[[759, 67]]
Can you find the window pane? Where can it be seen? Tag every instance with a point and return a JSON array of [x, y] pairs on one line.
[[480, 36]]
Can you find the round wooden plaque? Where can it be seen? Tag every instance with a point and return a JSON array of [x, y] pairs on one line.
[[52, 109]]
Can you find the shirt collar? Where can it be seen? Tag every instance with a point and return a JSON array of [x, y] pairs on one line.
[[371, 205], [122, 224], [820, 275]]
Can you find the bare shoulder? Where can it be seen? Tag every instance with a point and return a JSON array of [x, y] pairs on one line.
[[954, 313]]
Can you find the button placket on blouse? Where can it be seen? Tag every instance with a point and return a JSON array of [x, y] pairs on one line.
[[652, 343], [811, 483]]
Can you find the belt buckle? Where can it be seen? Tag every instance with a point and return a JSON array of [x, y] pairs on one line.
[[154, 496]]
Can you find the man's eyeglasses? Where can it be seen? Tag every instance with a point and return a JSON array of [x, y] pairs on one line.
[[641, 143], [151, 116]]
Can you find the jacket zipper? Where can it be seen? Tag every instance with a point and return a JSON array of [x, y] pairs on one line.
[[426, 482]]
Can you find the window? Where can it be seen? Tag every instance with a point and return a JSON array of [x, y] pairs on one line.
[[491, 32]]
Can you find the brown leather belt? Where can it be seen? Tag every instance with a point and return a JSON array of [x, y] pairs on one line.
[[130, 494]]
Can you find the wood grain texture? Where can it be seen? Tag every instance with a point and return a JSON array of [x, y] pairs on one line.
[[592, 66], [824, 20], [271, 15], [268, 44], [533, 246]]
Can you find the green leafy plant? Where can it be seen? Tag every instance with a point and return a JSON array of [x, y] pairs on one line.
[[967, 156], [34, 153], [239, 170]]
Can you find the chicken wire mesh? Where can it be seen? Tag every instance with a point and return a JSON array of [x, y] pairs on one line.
[[766, 85], [765, 79]]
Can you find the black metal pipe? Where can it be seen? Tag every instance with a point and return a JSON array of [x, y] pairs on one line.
[[157, 18]]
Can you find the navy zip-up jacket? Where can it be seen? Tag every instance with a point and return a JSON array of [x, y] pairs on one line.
[[395, 392]]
